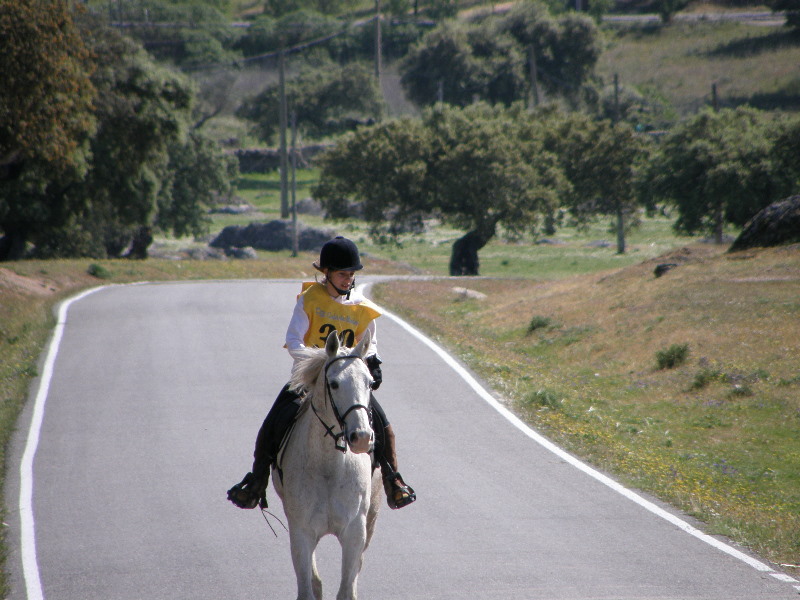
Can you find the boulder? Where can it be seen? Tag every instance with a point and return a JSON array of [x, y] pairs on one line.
[[776, 225], [275, 235]]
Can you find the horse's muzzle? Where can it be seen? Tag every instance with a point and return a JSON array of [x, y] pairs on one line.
[[360, 441]]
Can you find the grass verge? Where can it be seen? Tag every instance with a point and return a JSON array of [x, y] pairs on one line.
[[713, 432]]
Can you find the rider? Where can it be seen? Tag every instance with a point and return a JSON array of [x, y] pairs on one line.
[[322, 307]]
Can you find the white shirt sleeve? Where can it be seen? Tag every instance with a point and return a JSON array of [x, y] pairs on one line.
[[298, 326]]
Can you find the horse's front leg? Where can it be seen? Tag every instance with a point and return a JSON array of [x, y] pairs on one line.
[[354, 542], [309, 585]]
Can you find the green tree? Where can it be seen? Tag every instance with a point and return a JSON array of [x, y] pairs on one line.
[[716, 168], [477, 169], [566, 48], [279, 8], [183, 33], [791, 8], [385, 168], [785, 155], [441, 67], [143, 110], [198, 175], [46, 95], [669, 8], [46, 115], [600, 160], [325, 100], [269, 34], [459, 63]]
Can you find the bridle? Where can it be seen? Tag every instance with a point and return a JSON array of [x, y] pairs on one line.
[[338, 438]]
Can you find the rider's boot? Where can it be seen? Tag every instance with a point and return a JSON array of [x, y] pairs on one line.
[[252, 490], [398, 492]]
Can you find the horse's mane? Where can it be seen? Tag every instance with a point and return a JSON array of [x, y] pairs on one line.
[[307, 367]]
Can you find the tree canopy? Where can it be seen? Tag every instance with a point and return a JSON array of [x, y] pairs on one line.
[[491, 60], [599, 159], [326, 100], [716, 168], [475, 168], [140, 115], [46, 94]]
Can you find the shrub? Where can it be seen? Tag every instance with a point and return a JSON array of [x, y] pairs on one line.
[[98, 271], [538, 322], [706, 376], [544, 398], [673, 356]]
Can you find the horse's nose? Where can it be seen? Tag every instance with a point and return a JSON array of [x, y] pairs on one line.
[[360, 441]]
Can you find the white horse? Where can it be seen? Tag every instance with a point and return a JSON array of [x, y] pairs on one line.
[[324, 475]]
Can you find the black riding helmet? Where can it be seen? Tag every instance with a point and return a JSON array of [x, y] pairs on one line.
[[339, 254]]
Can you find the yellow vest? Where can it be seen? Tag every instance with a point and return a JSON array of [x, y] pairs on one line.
[[326, 315]]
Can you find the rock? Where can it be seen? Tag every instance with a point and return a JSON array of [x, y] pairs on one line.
[[465, 293], [776, 225], [233, 209], [244, 253], [309, 206], [275, 235]]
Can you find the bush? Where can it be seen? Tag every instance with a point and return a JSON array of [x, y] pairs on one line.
[[673, 356], [706, 376], [98, 271], [544, 398], [539, 322]]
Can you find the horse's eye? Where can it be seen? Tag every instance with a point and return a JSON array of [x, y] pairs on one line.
[[334, 385]]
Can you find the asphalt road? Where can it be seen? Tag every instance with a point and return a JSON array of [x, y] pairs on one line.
[[154, 399]]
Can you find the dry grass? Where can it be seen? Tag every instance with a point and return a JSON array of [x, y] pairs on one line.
[[679, 63], [716, 435]]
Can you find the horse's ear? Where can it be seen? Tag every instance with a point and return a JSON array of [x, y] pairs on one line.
[[363, 346], [332, 344]]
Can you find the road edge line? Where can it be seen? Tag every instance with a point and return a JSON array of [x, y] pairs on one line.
[[30, 566], [580, 465]]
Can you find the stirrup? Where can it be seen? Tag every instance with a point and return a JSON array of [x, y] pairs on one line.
[[249, 492], [398, 492]]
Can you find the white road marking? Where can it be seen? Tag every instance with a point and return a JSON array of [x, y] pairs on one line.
[[30, 566], [547, 444]]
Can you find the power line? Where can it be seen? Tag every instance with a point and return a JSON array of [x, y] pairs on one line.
[[285, 51]]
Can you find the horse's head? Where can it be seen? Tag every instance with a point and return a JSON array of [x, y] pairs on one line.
[[347, 381]]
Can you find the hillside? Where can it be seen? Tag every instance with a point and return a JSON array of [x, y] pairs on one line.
[[716, 434], [676, 66]]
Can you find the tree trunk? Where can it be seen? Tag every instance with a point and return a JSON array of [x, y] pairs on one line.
[[12, 245], [464, 258], [718, 224], [141, 241], [620, 229]]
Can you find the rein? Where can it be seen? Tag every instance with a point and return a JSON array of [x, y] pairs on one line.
[[338, 438]]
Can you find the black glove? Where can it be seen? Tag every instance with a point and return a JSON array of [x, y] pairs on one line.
[[374, 366]]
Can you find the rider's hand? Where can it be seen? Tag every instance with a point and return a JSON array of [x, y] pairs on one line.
[[374, 366]]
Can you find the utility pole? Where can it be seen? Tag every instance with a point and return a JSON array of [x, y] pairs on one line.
[[714, 98], [294, 185], [283, 153], [619, 208], [719, 216], [378, 59], [534, 77]]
